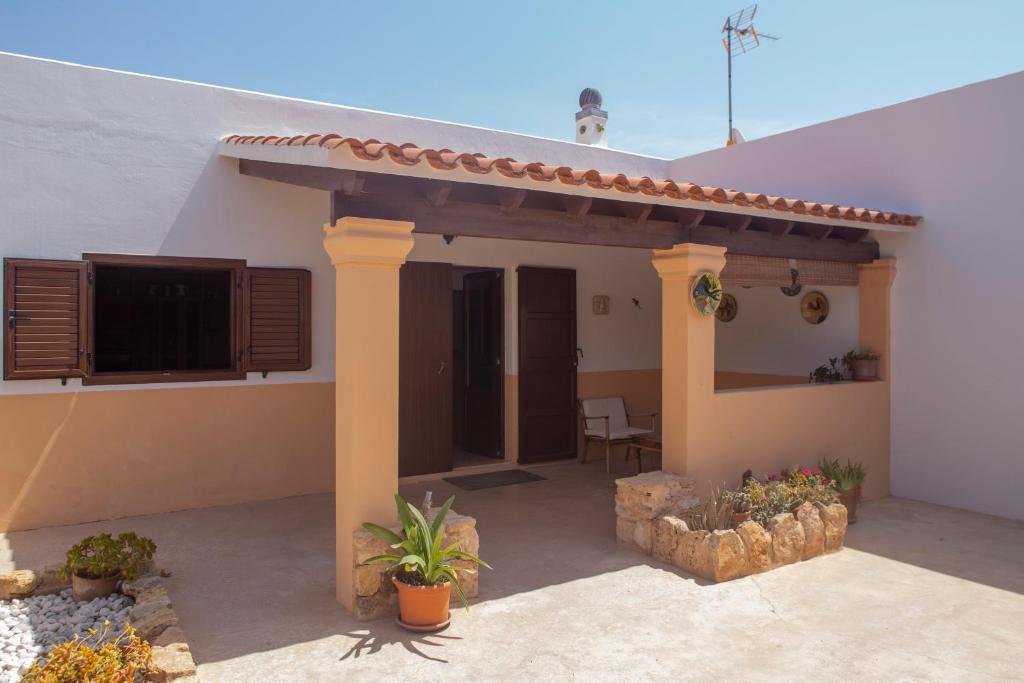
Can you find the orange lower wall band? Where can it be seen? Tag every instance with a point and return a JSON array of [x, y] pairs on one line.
[[81, 456]]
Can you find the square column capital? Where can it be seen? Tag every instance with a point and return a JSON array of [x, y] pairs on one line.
[[684, 261], [879, 273], [368, 241]]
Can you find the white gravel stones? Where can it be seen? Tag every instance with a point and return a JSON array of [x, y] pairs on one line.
[[29, 627]]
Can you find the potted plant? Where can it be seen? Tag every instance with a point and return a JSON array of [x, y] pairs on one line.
[[847, 479], [97, 563], [741, 507], [421, 568], [863, 366]]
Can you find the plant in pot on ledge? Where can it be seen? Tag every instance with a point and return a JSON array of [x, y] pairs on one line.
[[847, 480], [863, 367], [97, 563], [422, 569]]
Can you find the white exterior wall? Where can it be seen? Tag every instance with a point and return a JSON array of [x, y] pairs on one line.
[[955, 158], [104, 161], [769, 336]]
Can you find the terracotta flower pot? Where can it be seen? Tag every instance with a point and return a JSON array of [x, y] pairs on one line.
[[865, 370], [83, 589], [423, 608], [740, 517], [850, 499]]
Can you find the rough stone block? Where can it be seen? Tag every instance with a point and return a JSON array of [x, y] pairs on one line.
[[18, 584], [366, 545], [137, 586], [726, 556], [834, 519], [666, 537], [367, 608], [757, 543], [172, 664], [814, 530], [367, 578], [787, 538], [172, 637], [153, 622], [652, 494], [692, 553]]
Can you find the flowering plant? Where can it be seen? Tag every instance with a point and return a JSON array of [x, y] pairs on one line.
[[787, 491]]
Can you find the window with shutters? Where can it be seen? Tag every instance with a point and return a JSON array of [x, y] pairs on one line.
[[114, 319]]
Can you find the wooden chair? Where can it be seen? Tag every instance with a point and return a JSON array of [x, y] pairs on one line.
[[606, 421]]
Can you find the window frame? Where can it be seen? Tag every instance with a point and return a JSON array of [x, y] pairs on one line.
[[235, 266]]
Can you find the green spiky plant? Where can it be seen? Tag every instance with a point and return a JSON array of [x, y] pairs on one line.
[[714, 515], [846, 477], [422, 560]]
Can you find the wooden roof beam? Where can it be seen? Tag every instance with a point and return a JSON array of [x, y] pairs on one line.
[[510, 199], [638, 213], [577, 207], [437, 194]]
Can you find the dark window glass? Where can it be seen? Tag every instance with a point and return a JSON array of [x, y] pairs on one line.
[[162, 319]]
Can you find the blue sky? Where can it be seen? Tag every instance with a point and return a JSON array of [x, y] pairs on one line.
[[520, 65]]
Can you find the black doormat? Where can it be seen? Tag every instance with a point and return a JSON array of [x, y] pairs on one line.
[[490, 480]]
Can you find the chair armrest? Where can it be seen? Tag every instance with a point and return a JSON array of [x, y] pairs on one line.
[[652, 416]]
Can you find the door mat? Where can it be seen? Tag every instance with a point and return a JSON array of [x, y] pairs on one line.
[[490, 480]]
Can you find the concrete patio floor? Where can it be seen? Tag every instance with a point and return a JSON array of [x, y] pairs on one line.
[[920, 592]]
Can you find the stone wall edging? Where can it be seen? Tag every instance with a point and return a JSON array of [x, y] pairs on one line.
[[650, 517]]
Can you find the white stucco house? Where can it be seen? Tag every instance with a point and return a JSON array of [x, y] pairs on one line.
[[208, 350]]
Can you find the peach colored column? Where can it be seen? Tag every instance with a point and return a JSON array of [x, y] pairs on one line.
[[876, 280], [366, 254], [687, 347]]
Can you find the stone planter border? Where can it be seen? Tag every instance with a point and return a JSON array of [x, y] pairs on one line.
[[152, 615], [650, 512]]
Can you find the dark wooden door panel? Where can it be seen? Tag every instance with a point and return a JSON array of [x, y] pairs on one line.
[[547, 363], [484, 346], [425, 366]]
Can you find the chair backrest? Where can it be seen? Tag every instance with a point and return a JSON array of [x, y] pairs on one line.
[[613, 407]]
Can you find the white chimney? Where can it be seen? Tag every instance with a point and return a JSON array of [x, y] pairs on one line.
[[591, 120]]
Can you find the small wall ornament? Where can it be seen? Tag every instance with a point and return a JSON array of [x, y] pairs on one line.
[[601, 304], [727, 309], [706, 293], [814, 307]]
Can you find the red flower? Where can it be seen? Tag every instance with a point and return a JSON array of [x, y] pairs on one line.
[[807, 471]]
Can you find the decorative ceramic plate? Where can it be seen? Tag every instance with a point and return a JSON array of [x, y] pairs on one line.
[[706, 293], [814, 307], [727, 309]]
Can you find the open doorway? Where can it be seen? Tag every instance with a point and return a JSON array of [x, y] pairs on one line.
[[451, 367], [478, 365]]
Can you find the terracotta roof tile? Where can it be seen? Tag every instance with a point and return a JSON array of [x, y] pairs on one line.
[[409, 154]]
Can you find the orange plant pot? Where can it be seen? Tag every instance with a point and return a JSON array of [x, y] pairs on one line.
[[423, 607]]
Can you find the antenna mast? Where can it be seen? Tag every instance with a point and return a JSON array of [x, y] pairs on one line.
[[740, 38]]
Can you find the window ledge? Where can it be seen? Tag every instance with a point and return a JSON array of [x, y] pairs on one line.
[[160, 377]]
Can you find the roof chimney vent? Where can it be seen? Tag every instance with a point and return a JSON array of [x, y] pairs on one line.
[[591, 120]]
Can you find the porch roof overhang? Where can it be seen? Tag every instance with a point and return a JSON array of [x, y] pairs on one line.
[[451, 193]]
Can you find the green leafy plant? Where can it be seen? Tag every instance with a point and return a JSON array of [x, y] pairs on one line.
[[827, 374], [103, 556], [714, 515], [97, 657], [421, 560], [845, 477]]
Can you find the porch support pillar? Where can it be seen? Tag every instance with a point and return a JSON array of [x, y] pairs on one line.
[[687, 348], [875, 288], [367, 254]]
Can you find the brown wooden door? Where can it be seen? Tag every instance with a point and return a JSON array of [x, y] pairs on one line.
[[547, 364], [484, 342], [424, 367]]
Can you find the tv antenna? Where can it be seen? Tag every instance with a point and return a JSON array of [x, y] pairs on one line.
[[740, 38]]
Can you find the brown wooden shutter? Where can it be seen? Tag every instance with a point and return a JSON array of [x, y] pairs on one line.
[[276, 319], [45, 318]]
